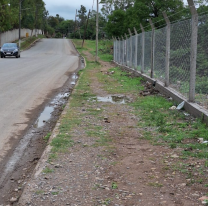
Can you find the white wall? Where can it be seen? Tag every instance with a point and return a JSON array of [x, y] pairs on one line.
[[10, 36]]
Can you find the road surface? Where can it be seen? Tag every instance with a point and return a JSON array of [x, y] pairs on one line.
[[26, 82]]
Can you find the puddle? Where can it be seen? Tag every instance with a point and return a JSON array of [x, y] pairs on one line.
[[47, 112], [113, 99], [44, 117], [74, 76]]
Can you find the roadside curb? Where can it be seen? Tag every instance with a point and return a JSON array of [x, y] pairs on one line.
[[25, 197], [31, 45], [82, 58]]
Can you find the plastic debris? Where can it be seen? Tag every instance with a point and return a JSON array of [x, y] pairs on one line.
[[181, 105], [201, 140], [186, 114]]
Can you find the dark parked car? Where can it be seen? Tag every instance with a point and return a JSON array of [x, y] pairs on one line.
[[10, 49]]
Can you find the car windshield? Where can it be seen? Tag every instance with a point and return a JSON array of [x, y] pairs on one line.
[[9, 45]]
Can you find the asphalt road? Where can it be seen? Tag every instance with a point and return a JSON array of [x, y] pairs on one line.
[[26, 82]]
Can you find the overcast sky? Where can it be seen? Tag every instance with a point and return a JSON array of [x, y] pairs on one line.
[[67, 8]]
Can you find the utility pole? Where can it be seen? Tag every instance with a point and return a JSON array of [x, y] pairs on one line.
[[75, 23], [20, 2], [36, 14], [97, 31], [85, 29]]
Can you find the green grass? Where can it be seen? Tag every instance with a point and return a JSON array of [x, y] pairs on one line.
[[155, 184], [39, 192], [120, 82], [114, 185], [46, 138], [47, 170], [104, 48]]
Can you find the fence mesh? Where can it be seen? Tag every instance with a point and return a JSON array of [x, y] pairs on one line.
[[160, 53], [147, 53], [202, 63], [139, 51], [133, 40], [180, 44], [128, 52]]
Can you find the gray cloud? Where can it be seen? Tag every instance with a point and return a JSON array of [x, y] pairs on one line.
[[67, 8]]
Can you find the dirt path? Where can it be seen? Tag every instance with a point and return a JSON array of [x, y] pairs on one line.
[[120, 168]]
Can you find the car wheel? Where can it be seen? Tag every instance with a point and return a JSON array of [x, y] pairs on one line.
[[2, 56], [17, 56]]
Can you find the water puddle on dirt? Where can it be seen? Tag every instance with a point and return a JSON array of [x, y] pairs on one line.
[[44, 117], [74, 76], [113, 99]]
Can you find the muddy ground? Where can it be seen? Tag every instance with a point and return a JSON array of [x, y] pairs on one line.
[[128, 171]]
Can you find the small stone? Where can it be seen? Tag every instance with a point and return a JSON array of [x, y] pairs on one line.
[[182, 184], [174, 156], [13, 199], [203, 198]]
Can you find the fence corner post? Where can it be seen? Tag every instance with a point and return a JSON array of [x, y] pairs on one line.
[[130, 59], [152, 49], [136, 48], [143, 48], [193, 56], [167, 57]]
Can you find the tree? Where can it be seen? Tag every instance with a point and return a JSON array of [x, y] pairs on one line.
[[115, 25], [82, 15]]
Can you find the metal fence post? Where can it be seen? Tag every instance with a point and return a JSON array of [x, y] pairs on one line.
[[167, 58], [116, 50], [130, 59], [119, 51], [126, 50], [152, 49], [143, 48], [113, 48], [136, 48], [193, 57], [123, 56]]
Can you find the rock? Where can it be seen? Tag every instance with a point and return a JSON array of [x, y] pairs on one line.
[[172, 108], [13, 199], [58, 166], [182, 185], [174, 156], [203, 198]]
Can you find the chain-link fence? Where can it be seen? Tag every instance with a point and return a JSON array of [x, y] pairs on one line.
[[202, 62], [172, 65]]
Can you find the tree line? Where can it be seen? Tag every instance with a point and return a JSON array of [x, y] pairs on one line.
[[115, 17]]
